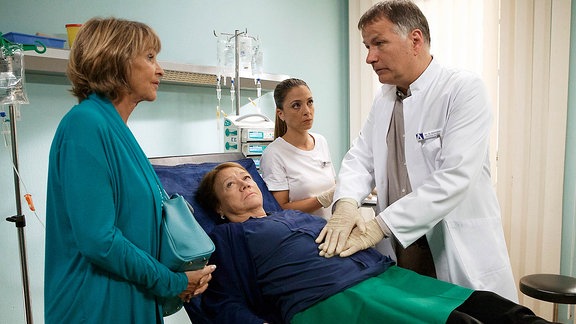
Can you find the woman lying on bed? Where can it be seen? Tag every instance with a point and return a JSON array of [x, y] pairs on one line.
[[269, 271]]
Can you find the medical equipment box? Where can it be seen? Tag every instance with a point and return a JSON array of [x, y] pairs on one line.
[[249, 134], [28, 39], [254, 148]]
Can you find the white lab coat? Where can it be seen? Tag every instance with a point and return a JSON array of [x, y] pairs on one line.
[[452, 201]]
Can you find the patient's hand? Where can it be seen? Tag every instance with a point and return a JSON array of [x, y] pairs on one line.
[[197, 282], [334, 235], [361, 241]]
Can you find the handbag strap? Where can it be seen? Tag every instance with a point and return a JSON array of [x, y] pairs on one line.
[[163, 192]]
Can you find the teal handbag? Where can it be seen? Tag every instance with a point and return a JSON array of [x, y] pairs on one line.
[[184, 245]]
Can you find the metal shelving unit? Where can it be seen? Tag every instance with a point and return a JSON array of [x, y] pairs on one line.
[[54, 62]]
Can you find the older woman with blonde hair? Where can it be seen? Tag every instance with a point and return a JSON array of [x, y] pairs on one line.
[[104, 204]]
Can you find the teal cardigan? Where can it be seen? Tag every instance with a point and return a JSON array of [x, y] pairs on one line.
[[102, 224]]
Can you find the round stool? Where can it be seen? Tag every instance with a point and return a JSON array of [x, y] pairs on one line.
[[557, 289]]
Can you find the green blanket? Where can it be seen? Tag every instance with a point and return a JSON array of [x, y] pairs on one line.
[[396, 296]]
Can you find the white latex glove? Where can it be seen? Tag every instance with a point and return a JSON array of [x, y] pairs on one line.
[[333, 236], [325, 198], [361, 241]]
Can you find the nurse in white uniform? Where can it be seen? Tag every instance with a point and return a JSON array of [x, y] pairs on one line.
[[297, 167], [424, 147]]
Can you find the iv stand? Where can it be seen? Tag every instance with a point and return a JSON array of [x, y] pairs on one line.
[[236, 66], [237, 69], [8, 49], [19, 220]]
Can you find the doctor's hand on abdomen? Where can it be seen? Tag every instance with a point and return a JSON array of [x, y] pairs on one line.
[[334, 235], [361, 241]]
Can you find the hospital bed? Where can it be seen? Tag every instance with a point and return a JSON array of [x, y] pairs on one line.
[[182, 175]]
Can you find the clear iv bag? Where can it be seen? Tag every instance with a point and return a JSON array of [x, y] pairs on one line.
[[225, 56], [249, 60], [245, 54], [257, 59], [12, 89]]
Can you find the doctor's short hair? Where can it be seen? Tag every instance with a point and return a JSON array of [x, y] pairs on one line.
[[280, 93], [405, 14], [100, 59]]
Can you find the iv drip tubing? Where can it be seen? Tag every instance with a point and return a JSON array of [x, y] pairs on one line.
[[237, 70]]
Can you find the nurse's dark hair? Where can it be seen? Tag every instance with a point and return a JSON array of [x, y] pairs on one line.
[[206, 193], [404, 14], [280, 93], [101, 55]]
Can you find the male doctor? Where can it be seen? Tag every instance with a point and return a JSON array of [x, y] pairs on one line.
[[424, 147]]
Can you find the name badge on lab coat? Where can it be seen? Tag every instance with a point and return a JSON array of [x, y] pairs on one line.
[[420, 137]]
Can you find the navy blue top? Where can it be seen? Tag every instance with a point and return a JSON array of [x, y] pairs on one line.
[[269, 269]]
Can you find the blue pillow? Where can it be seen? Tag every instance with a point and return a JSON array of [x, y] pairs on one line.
[[184, 179]]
